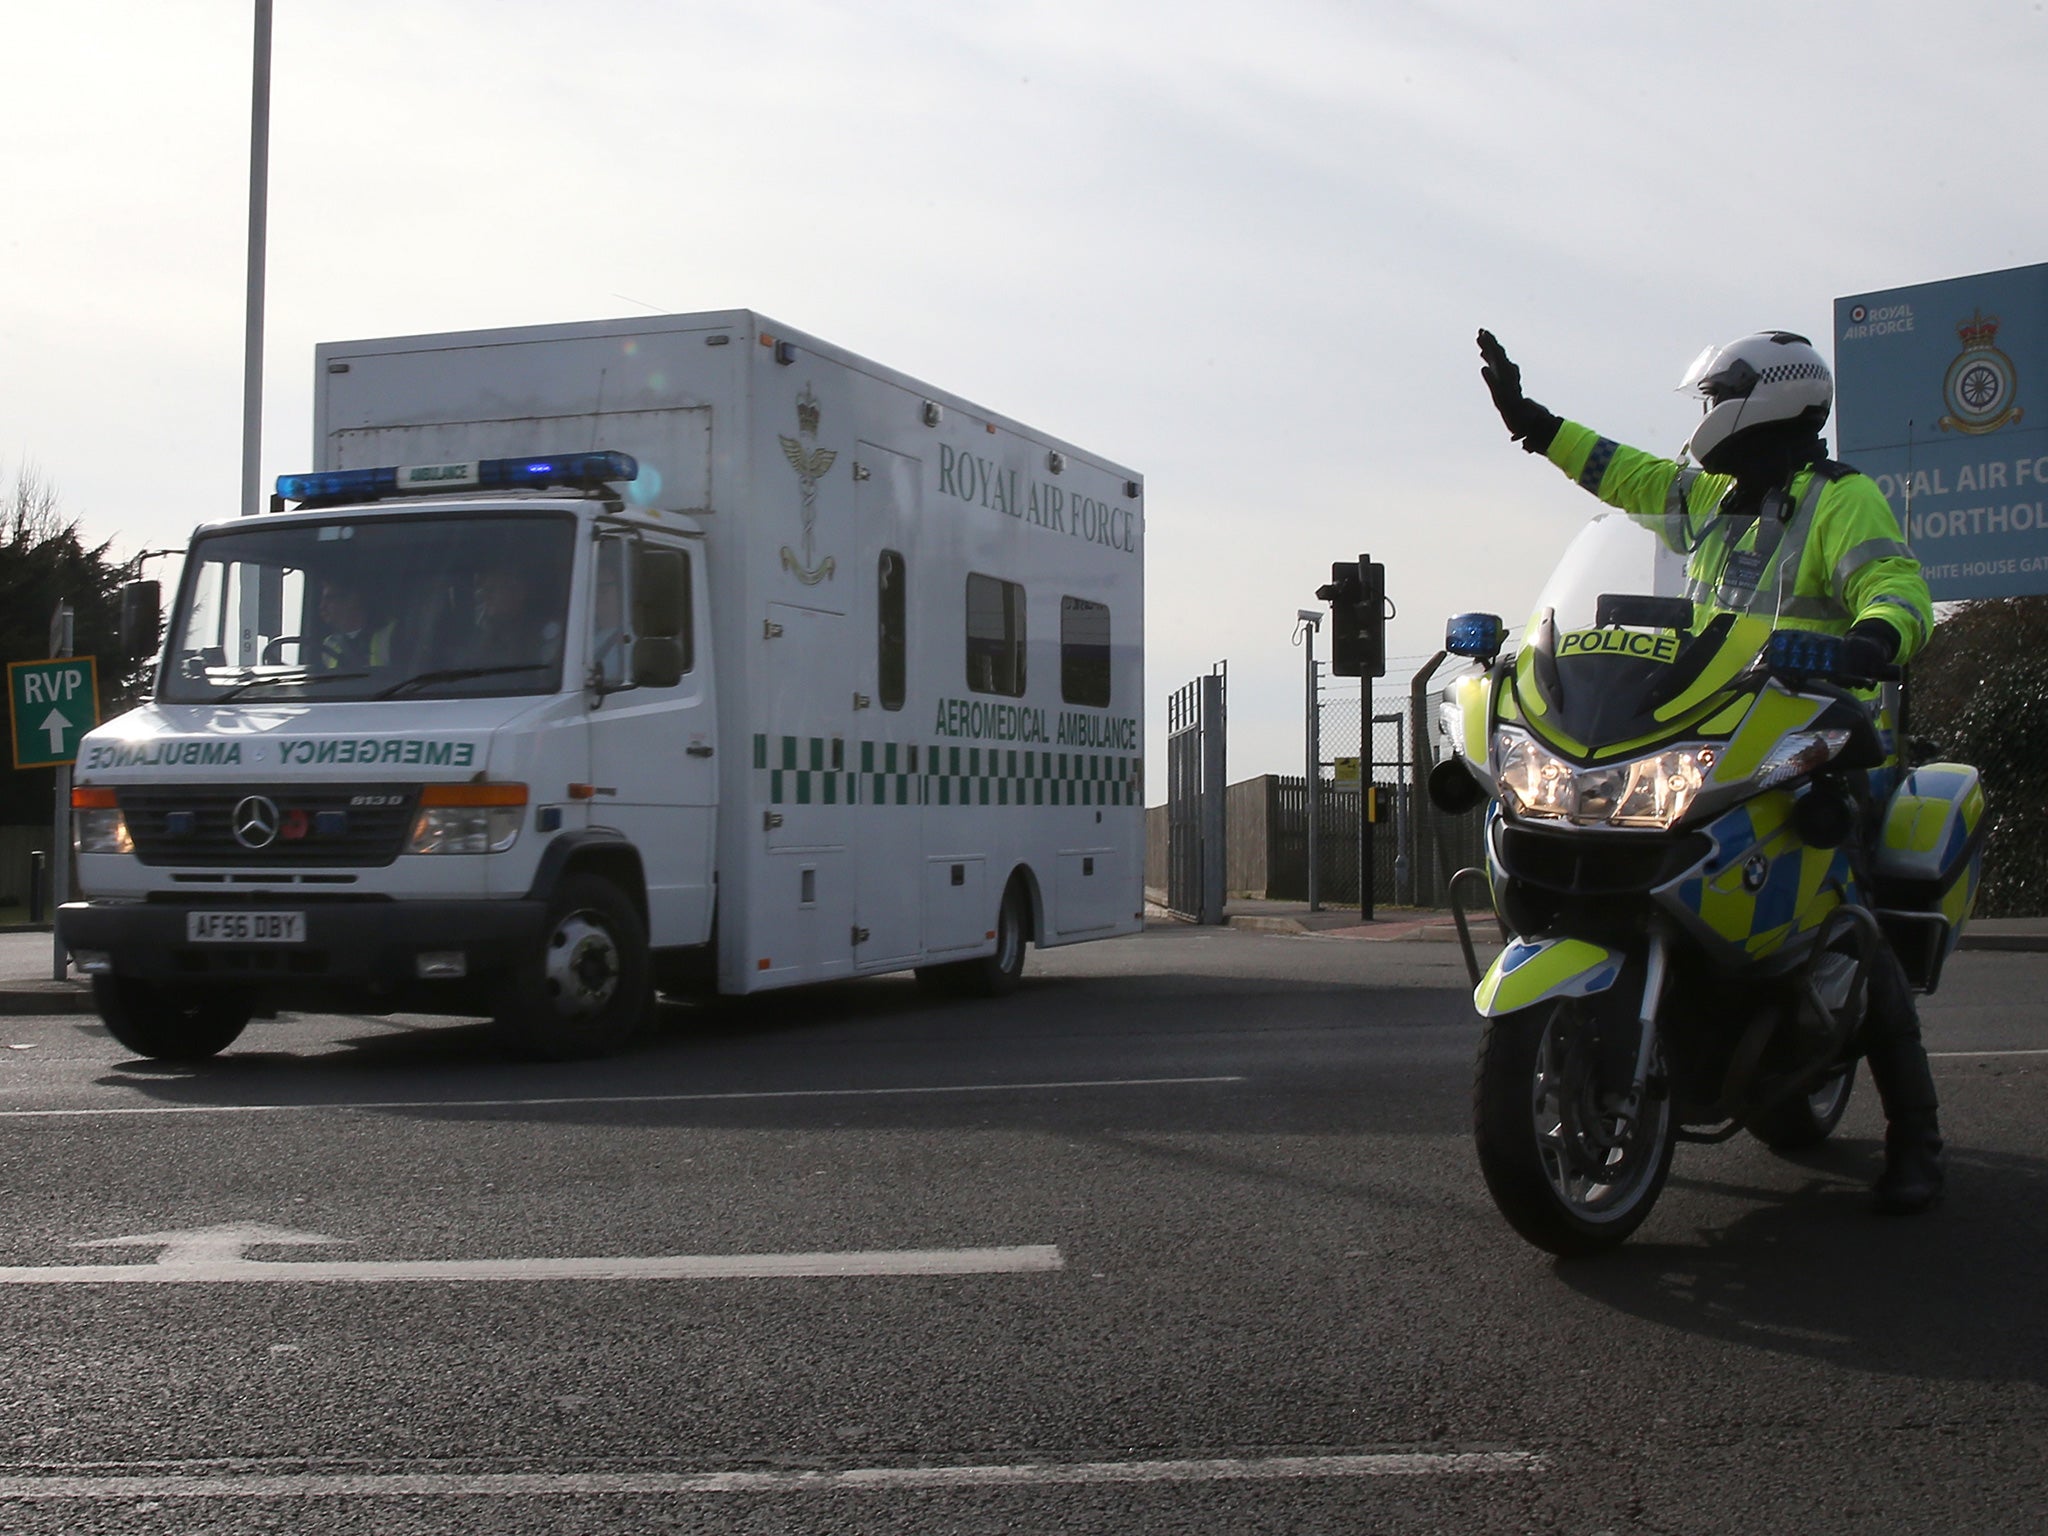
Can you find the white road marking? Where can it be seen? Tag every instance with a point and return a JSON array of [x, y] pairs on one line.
[[1963, 1055], [256, 1485], [213, 1255], [379, 1105]]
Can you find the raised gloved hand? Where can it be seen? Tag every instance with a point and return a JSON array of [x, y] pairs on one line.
[[1528, 423], [1868, 649]]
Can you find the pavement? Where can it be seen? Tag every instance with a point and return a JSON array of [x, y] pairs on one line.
[[28, 984], [1412, 923]]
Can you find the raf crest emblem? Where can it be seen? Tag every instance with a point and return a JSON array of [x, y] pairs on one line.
[[1981, 382], [810, 465]]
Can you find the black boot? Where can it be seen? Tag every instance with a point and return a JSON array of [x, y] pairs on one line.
[[1914, 1169]]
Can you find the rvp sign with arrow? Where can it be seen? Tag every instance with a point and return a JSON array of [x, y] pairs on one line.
[[54, 703]]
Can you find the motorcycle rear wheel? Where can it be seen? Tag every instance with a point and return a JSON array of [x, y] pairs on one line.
[[1805, 1119], [1572, 1179]]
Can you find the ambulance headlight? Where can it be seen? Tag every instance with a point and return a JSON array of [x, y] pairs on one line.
[[1652, 792], [97, 825], [468, 818]]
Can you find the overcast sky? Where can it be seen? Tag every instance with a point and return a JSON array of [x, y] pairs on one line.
[[1239, 247]]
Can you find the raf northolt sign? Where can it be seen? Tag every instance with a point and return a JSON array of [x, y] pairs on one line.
[[1942, 398]]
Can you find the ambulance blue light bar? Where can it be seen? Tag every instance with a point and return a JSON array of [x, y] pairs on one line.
[[587, 471]]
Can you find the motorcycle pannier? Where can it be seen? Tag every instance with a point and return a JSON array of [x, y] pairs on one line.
[[1926, 866]]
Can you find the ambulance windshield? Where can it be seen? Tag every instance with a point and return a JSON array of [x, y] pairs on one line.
[[430, 606]]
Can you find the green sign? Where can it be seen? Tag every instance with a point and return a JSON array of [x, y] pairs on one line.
[[54, 703]]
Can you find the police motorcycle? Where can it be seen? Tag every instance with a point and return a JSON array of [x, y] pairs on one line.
[[1678, 812]]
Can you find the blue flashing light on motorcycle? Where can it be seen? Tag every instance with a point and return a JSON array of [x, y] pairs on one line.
[[1475, 635]]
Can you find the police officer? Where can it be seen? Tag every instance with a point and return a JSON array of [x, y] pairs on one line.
[[1769, 524]]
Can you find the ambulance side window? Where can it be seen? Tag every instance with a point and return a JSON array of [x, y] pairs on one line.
[[892, 648], [1084, 652], [610, 641], [995, 636]]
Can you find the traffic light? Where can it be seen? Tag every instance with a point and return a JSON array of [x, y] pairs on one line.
[[1357, 595]]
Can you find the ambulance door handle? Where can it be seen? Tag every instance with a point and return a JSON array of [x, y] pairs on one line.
[[861, 701], [698, 749]]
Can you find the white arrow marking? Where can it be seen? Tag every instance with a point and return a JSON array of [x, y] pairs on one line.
[[214, 1245], [213, 1255], [54, 726]]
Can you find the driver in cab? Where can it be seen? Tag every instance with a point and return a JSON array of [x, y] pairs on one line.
[[1761, 499]]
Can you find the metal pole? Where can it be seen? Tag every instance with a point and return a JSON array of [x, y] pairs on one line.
[[1418, 725], [259, 185], [1215, 830], [1404, 886], [1314, 777], [61, 639]]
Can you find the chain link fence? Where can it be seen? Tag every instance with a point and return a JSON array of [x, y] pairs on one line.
[[1368, 739]]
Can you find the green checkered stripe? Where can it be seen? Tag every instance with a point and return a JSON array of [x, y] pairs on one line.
[[798, 770]]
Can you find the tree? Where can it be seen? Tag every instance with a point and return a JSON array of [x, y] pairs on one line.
[[44, 561], [1979, 695]]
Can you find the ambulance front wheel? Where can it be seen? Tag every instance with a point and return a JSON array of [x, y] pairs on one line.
[[164, 1026], [992, 974], [588, 990]]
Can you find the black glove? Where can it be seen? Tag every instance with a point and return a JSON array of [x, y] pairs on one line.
[[1528, 423], [1868, 649]]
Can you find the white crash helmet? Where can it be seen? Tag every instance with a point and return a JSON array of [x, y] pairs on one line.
[[1771, 377]]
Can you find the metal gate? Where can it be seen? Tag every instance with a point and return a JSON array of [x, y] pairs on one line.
[[1196, 850]]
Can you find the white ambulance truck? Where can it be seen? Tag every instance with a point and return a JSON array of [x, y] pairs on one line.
[[600, 659]]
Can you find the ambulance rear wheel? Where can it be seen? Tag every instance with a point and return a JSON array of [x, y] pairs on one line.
[[589, 989], [993, 974], [165, 1026]]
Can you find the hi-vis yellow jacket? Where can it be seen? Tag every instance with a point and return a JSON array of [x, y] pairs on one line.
[[1831, 529]]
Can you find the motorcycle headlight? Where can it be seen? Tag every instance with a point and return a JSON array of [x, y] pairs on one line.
[[1535, 781], [1653, 791]]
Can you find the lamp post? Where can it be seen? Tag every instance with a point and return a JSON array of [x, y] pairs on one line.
[[259, 188]]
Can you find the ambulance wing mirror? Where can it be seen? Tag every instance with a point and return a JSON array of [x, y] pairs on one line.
[[142, 607], [1477, 635], [661, 617], [657, 661]]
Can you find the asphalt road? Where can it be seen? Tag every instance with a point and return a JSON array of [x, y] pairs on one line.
[[1185, 1236]]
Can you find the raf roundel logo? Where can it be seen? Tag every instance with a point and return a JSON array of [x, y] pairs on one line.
[[1858, 315], [255, 821], [1980, 384]]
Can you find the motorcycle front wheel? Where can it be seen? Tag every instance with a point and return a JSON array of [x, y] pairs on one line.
[[1569, 1168]]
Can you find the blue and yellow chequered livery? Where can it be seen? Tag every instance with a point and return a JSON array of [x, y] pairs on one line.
[[1763, 885], [1530, 971], [818, 770]]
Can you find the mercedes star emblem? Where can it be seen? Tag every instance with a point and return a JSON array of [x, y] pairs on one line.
[[256, 821]]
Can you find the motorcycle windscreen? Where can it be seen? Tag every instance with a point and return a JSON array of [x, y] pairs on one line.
[[1612, 639]]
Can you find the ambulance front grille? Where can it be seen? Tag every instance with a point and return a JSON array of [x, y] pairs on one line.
[[318, 825]]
